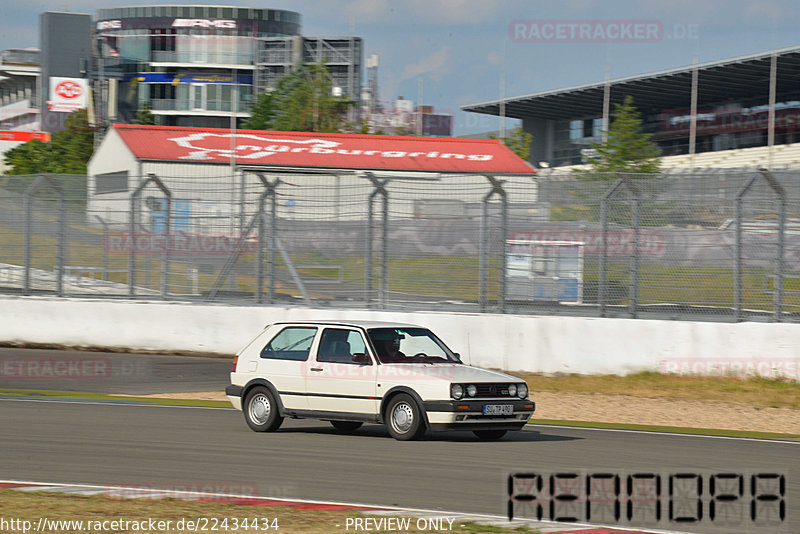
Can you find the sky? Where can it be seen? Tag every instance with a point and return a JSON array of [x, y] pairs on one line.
[[457, 52]]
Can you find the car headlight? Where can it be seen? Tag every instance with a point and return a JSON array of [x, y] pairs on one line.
[[512, 390], [522, 391], [457, 391], [472, 390]]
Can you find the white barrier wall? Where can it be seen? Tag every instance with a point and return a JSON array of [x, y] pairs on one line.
[[512, 342]]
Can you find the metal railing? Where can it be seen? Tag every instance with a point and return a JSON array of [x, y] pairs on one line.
[[722, 247]]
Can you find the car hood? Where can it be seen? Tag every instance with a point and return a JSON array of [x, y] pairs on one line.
[[451, 372]]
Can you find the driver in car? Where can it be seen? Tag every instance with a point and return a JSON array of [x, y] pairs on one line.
[[389, 348]]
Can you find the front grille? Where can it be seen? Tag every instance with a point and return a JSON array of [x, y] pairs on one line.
[[491, 390]]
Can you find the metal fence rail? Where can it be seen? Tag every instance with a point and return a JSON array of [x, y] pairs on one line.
[[716, 246]]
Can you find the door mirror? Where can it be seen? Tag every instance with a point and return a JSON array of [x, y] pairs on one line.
[[361, 358]]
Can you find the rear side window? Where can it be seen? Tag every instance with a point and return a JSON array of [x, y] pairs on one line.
[[291, 343], [338, 346]]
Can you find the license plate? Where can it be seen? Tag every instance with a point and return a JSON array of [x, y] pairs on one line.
[[498, 409]]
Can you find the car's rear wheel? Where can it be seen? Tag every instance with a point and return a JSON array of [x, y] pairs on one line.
[[261, 410], [346, 426], [404, 418], [491, 434]]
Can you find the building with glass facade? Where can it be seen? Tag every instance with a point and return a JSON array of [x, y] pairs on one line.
[[189, 65]]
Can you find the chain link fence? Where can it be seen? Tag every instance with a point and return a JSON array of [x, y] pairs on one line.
[[717, 246]]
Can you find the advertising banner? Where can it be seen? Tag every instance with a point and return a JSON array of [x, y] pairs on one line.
[[68, 94]]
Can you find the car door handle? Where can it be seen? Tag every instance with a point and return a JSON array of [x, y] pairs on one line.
[[317, 369]]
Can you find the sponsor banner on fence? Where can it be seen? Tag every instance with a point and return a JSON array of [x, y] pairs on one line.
[[176, 244]]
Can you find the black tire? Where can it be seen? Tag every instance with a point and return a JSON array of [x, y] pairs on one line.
[[346, 426], [404, 418], [261, 410], [490, 435]]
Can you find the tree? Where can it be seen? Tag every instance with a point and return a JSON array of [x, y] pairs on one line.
[[144, 115], [302, 101], [262, 113], [29, 158], [68, 151], [627, 148], [518, 141]]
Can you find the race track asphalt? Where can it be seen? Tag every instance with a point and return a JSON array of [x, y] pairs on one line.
[[174, 447]]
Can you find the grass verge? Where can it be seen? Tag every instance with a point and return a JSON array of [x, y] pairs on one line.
[[754, 391], [103, 397], [667, 429], [94, 510]]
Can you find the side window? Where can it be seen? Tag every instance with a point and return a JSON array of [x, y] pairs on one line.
[[338, 345], [292, 343]]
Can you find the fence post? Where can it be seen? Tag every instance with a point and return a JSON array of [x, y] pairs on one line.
[[737, 267], [105, 246], [636, 261], [738, 256], [256, 221], [482, 253], [165, 257], [483, 260], [602, 296], [780, 192], [62, 232], [379, 189], [779, 267], [382, 296], [259, 218], [273, 228], [26, 288], [132, 251], [368, 253]]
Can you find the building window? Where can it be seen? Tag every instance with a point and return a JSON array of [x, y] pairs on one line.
[[111, 182]]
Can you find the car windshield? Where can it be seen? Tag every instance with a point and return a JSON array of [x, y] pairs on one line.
[[410, 345]]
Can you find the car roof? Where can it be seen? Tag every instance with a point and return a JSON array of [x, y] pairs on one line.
[[356, 324]]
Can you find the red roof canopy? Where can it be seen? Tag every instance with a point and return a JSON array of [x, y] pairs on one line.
[[321, 150]]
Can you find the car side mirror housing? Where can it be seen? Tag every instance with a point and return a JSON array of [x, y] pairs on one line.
[[361, 358], [458, 357]]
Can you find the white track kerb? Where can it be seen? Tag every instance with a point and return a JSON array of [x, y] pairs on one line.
[[446, 518], [509, 342]]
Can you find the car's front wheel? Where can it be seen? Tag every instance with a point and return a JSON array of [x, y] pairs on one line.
[[491, 434], [404, 418], [261, 410], [346, 426]]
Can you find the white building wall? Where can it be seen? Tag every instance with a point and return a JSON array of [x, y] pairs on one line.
[[216, 192], [112, 156]]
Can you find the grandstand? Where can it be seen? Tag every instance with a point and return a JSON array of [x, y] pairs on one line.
[[732, 114], [784, 157]]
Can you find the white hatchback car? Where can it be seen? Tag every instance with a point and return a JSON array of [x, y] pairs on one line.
[[356, 372]]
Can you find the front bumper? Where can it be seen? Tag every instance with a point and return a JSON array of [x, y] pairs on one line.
[[468, 415]]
